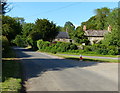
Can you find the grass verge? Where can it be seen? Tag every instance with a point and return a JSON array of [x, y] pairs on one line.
[[89, 59], [11, 75], [91, 54]]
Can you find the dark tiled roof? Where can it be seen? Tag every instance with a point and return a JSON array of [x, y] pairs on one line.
[[95, 32], [63, 35]]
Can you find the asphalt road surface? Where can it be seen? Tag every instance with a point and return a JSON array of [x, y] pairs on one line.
[[43, 72]]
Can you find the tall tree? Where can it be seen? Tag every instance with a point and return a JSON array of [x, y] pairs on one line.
[[48, 30], [27, 28], [79, 37], [70, 28], [10, 27], [101, 15], [112, 38]]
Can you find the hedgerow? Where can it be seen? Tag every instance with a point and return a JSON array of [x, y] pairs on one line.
[[55, 47]]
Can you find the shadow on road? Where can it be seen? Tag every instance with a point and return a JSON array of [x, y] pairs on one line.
[[35, 64], [35, 67]]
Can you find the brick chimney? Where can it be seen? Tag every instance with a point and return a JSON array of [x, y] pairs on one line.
[[109, 28], [84, 28]]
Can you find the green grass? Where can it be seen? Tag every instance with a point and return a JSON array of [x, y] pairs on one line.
[[88, 59], [99, 55], [90, 54], [11, 75]]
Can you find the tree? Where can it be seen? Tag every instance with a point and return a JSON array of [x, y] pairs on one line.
[[10, 27], [99, 21], [91, 23], [19, 41], [20, 20], [79, 36], [112, 38], [101, 15], [70, 28], [48, 30], [61, 29], [27, 28], [5, 6]]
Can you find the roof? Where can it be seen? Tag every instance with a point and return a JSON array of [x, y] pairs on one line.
[[95, 32], [62, 35]]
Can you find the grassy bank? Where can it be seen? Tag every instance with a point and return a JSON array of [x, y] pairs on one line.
[[88, 59], [99, 55], [89, 54], [11, 75]]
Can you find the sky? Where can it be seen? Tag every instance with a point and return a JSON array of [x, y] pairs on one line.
[[58, 12]]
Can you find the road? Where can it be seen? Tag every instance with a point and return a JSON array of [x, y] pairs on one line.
[[43, 72]]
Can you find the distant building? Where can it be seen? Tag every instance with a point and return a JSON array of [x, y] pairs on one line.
[[63, 37], [96, 36]]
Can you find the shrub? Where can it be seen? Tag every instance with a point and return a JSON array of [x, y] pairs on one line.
[[111, 52], [39, 44], [19, 41], [5, 43]]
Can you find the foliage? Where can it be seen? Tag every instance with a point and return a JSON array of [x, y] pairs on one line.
[[48, 30], [102, 49], [27, 28], [101, 15], [10, 27], [20, 20], [112, 38], [99, 21], [5, 45], [79, 36], [70, 28], [55, 47], [19, 41]]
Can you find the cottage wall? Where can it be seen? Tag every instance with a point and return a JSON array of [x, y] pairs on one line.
[[63, 40], [94, 40]]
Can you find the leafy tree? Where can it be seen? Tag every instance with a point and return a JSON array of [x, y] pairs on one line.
[[61, 29], [10, 27], [27, 28], [19, 41], [20, 20], [101, 15], [70, 28], [48, 30], [112, 38], [91, 23], [79, 36]]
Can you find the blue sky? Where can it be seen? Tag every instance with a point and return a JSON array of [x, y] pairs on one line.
[[58, 12]]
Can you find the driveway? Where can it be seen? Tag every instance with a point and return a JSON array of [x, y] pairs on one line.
[[43, 72]]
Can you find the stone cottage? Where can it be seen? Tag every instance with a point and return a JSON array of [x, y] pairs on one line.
[[63, 37], [96, 36]]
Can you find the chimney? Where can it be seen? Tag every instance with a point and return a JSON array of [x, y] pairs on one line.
[[109, 28], [84, 28], [66, 29]]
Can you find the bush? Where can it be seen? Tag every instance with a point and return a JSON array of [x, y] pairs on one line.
[[55, 47], [5, 44], [19, 41], [111, 52], [101, 49], [39, 44]]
